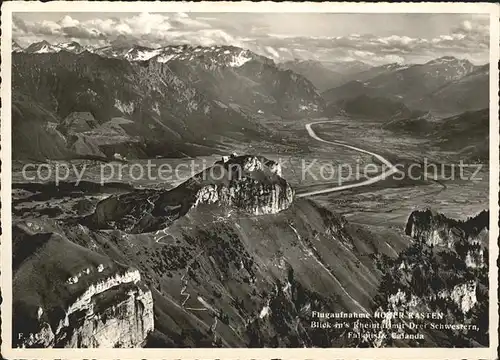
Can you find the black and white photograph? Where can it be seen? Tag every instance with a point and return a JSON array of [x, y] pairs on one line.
[[249, 179]]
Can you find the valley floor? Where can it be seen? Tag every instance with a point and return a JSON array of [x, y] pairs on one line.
[[389, 202]]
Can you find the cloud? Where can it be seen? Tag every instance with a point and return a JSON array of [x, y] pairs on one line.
[[467, 36], [68, 21], [76, 32]]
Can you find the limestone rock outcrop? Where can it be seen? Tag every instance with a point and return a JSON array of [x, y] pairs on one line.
[[468, 238], [444, 271], [436, 229], [250, 184], [68, 296], [268, 195]]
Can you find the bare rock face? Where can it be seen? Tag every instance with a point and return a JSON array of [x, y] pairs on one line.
[[468, 237], [85, 300], [463, 295], [254, 185], [124, 324], [251, 184], [444, 271], [436, 229]]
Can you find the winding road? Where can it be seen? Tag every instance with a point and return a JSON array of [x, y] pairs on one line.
[[391, 168]]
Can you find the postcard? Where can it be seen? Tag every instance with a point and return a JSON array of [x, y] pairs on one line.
[[249, 180]]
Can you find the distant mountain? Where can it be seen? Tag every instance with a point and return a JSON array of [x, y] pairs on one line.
[[164, 109], [409, 84], [228, 56], [16, 47], [249, 183], [217, 233], [127, 52], [322, 77], [372, 72], [178, 102], [376, 108], [325, 75], [470, 92], [347, 67], [466, 134], [73, 47], [42, 47]]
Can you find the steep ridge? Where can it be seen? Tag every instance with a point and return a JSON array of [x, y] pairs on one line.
[[467, 93], [222, 66], [249, 183], [233, 262], [182, 101], [110, 89], [42, 47], [465, 134], [68, 296], [444, 271]]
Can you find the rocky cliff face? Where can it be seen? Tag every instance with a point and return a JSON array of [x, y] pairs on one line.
[[250, 184], [436, 229], [220, 273], [444, 271], [68, 296], [221, 276], [468, 238], [254, 185]]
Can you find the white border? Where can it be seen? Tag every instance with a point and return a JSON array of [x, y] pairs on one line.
[[311, 353]]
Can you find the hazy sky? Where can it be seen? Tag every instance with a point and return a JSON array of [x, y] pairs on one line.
[[373, 38]]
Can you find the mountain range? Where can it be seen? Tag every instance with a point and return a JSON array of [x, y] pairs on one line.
[[188, 100], [466, 134], [377, 108], [180, 100], [437, 85], [326, 75]]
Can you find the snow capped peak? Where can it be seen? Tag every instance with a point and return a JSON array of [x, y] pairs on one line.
[[70, 46], [228, 56], [448, 60], [442, 60], [141, 53], [42, 47], [74, 47], [239, 60], [16, 47], [218, 56]]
